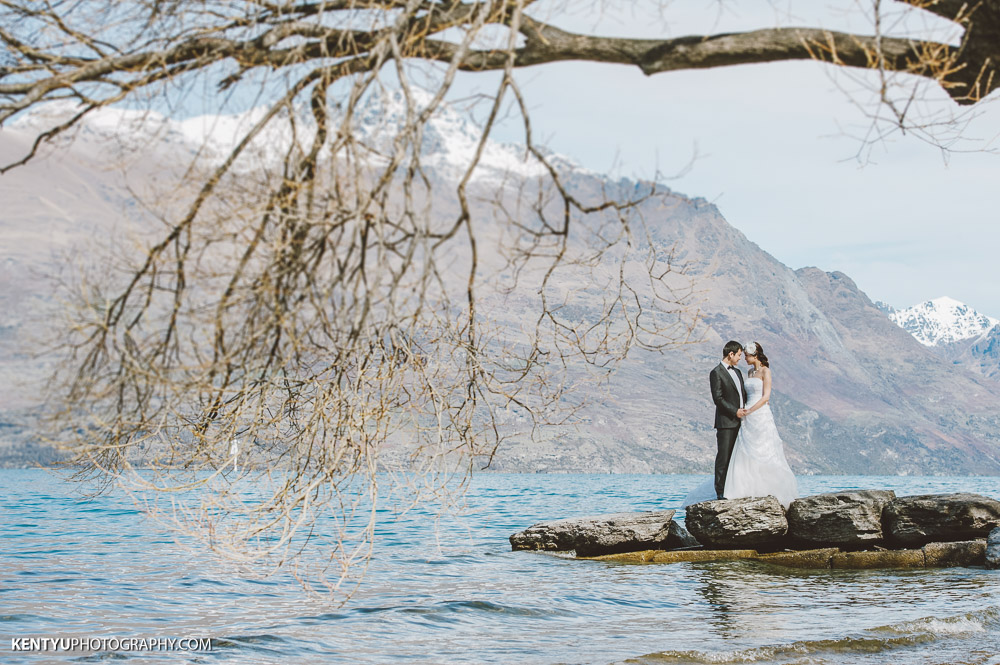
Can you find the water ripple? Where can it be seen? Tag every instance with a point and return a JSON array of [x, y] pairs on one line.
[[898, 643]]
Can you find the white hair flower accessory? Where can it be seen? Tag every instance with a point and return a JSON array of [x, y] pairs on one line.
[[751, 349]]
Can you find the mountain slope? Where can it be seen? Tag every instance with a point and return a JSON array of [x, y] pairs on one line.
[[983, 354], [854, 393]]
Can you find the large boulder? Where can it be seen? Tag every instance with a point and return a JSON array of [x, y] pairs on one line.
[[737, 523], [993, 549], [603, 534], [844, 519], [917, 520]]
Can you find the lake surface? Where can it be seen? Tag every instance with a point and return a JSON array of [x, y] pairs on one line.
[[447, 589]]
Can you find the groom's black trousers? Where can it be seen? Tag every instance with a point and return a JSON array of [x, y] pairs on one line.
[[726, 438]]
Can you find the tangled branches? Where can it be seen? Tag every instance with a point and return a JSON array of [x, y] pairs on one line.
[[341, 305]]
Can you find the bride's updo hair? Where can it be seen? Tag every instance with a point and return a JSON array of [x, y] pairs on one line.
[[759, 355]]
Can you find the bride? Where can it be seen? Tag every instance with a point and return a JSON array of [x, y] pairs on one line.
[[757, 466]]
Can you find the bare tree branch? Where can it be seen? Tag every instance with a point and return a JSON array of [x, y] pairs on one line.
[[336, 308]]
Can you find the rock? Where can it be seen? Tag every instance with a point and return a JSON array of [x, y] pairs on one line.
[[879, 559], [845, 519], [917, 520], [948, 555], [802, 558], [993, 549], [679, 556], [602, 534], [695, 556], [737, 523], [968, 553], [645, 556], [679, 537]]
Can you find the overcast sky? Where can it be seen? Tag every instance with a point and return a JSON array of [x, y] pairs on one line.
[[778, 151]]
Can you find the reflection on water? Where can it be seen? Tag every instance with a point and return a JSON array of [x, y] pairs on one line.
[[744, 599], [447, 589]]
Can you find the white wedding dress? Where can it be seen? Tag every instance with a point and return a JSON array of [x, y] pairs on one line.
[[758, 466]]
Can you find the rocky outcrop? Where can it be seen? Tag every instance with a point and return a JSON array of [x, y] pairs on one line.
[[845, 519], [993, 549], [736, 523], [605, 534], [940, 530], [916, 520]]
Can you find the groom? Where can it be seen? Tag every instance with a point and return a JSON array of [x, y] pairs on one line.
[[730, 397]]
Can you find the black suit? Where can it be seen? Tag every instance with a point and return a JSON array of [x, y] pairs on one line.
[[727, 424]]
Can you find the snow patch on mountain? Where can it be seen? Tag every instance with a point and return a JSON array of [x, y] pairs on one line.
[[942, 321], [449, 142]]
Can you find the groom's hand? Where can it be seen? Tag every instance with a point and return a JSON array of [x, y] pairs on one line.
[[741, 413]]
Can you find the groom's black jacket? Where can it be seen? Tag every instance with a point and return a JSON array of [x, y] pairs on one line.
[[727, 400]]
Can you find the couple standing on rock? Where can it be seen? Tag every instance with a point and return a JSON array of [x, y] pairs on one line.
[[751, 459]]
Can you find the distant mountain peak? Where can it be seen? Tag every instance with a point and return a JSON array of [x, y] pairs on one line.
[[942, 321], [946, 302]]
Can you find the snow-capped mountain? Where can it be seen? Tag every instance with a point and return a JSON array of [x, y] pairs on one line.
[[942, 321], [954, 331]]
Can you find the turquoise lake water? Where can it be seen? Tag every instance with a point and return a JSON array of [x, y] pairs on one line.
[[447, 589]]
